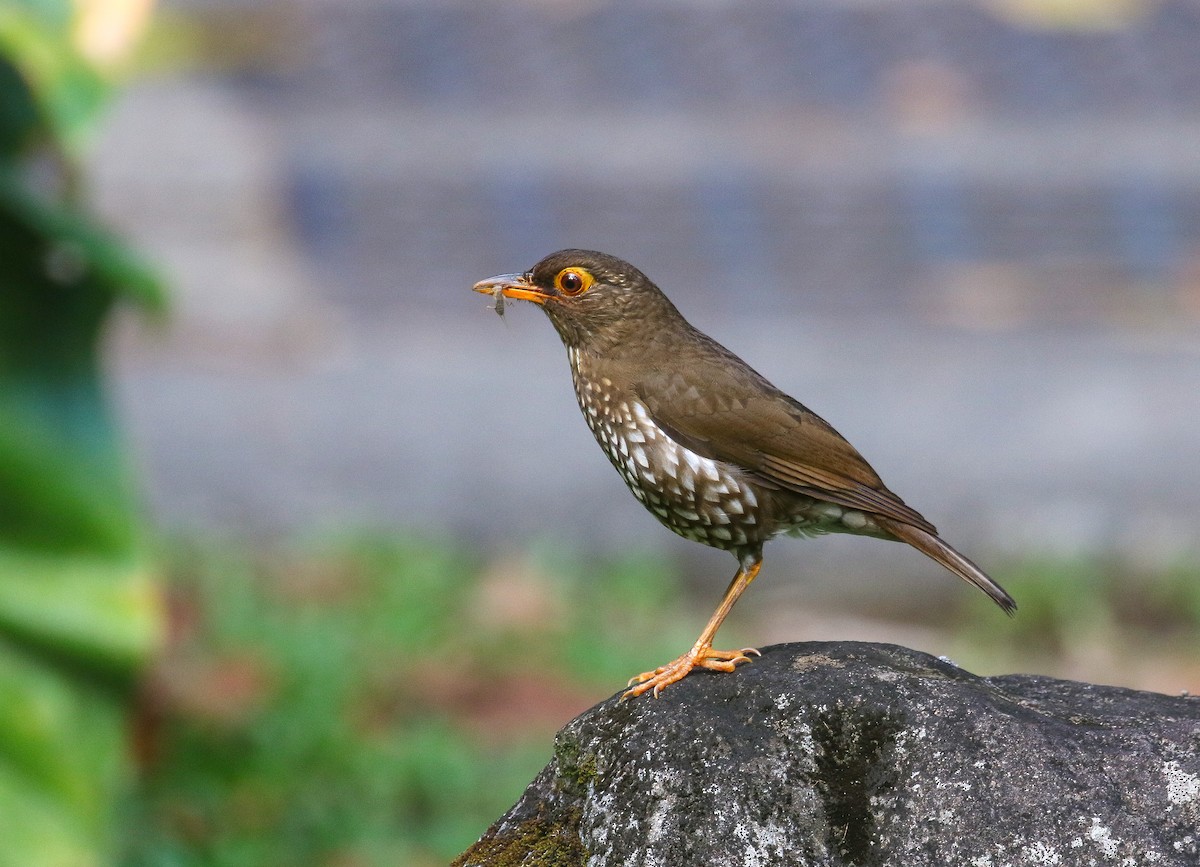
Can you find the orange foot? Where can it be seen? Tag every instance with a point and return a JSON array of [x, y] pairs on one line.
[[697, 657]]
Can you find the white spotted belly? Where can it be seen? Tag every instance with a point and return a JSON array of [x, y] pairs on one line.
[[692, 495]]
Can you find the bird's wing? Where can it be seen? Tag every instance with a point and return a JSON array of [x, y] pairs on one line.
[[722, 409]]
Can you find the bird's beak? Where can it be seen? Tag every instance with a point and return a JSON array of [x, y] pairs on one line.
[[516, 286]]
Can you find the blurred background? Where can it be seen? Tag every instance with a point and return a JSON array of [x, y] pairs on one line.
[[393, 560]]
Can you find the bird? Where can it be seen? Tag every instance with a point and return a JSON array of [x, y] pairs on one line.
[[710, 447]]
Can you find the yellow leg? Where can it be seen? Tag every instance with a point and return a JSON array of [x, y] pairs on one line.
[[702, 654]]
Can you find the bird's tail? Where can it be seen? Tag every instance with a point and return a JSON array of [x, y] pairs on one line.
[[931, 546]]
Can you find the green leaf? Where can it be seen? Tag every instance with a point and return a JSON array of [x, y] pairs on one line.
[[79, 608], [61, 745], [62, 489], [59, 246], [35, 36], [104, 614]]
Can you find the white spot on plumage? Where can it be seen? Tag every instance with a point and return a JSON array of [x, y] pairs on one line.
[[694, 496], [854, 520]]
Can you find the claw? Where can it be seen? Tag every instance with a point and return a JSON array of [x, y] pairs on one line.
[[676, 670]]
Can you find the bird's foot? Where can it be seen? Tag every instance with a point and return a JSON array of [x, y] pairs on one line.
[[697, 657]]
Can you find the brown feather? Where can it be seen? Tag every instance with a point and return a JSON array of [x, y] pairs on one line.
[[764, 431], [933, 547]]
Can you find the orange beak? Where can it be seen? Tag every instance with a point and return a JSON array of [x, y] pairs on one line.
[[512, 286]]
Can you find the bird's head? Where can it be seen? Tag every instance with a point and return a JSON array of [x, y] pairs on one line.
[[597, 302]]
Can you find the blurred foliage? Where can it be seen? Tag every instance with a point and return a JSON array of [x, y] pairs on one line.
[[60, 94], [78, 609], [1091, 618], [1061, 602], [377, 701], [373, 701]]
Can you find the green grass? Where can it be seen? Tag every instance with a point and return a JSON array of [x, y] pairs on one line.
[[373, 701]]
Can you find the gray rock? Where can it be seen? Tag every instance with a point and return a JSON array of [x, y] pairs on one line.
[[865, 754]]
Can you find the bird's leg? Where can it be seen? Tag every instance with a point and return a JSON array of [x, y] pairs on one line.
[[702, 654]]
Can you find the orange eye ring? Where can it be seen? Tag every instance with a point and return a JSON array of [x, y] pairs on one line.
[[573, 281]]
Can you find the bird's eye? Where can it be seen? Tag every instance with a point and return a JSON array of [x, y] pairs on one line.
[[572, 281]]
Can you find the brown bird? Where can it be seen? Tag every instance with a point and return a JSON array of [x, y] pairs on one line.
[[713, 450]]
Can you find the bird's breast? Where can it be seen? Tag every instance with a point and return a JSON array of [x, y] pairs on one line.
[[695, 496]]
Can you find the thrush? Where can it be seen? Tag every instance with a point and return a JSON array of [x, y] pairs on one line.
[[711, 448]]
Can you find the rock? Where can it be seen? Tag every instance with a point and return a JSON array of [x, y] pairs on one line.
[[864, 754]]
